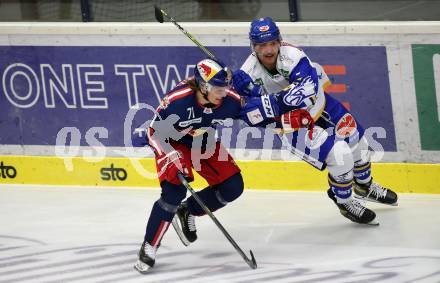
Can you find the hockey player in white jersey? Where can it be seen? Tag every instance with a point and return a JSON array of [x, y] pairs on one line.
[[337, 140]]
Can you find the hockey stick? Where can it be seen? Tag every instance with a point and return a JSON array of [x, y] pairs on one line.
[[251, 262], [160, 14]]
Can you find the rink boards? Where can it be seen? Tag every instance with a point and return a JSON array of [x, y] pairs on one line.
[[68, 89], [266, 175]]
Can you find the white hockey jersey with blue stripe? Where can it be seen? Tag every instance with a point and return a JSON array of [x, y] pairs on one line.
[[290, 59]]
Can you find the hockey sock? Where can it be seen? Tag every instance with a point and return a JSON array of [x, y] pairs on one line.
[[342, 190], [158, 224], [163, 212], [362, 173]]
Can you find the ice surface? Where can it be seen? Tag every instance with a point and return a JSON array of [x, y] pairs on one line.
[[93, 235]]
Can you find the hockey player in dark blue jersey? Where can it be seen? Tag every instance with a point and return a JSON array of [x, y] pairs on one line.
[[186, 117], [182, 137]]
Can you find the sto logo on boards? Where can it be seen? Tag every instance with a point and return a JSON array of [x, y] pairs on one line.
[[113, 173], [7, 171]]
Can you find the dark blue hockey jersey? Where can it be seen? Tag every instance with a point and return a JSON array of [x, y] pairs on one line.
[[181, 118]]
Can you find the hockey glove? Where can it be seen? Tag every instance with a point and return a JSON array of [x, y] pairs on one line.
[[139, 137], [296, 119], [244, 84], [259, 109], [171, 164]]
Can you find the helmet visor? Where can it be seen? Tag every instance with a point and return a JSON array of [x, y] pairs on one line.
[[218, 90]]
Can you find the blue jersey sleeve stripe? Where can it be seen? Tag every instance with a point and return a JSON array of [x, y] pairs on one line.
[[302, 70]]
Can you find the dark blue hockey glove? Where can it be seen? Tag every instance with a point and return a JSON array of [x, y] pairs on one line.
[[139, 137], [244, 85], [259, 109]]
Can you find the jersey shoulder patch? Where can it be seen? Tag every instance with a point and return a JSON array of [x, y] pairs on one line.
[[290, 54], [288, 58]]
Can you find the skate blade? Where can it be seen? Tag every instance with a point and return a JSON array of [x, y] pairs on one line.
[[373, 200], [179, 231], [373, 222], [141, 267]]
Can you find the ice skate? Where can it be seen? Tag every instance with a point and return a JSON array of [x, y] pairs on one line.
[[185, 225], [147, 258], [354, 210], [374, 192]]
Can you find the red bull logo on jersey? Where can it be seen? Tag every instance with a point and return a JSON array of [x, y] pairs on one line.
[[164, 102], [346, 126], [263, 28]]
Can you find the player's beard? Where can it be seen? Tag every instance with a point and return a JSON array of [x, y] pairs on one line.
[[268, 59]]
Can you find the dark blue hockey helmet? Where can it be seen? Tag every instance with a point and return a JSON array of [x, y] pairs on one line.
[[264, 30], [211, 73]]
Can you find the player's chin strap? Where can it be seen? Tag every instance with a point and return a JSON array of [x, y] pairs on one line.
[[205, 96]]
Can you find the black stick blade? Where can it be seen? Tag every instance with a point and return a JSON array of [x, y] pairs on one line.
[[252, 263], [158, 14]]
